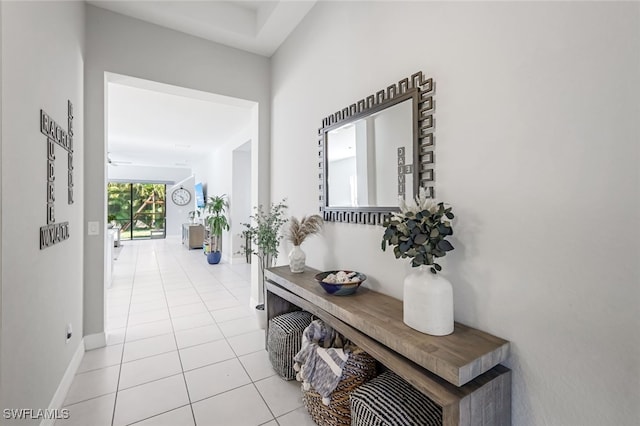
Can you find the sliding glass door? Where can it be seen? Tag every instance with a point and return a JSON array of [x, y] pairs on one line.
[[138, 209]]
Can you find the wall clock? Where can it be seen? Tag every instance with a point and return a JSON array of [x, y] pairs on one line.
[[181, 196]]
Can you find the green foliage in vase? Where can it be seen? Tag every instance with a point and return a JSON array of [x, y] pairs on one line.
[[216, 219], [264, 234], [420, 231]]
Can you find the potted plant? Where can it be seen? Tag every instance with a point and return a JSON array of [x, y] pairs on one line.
[[265, 237], [216, 222], [298, 231], [420, 232]]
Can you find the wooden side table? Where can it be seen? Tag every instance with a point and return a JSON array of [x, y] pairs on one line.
[[460, 372]]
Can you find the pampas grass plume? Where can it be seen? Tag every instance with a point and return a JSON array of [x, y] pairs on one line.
[[299, 230]]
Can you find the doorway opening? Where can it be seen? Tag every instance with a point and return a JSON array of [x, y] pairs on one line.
[[137, 209]]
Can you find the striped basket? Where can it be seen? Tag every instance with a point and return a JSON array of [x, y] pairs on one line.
[[388, 400], [285, 339], [359, 368]]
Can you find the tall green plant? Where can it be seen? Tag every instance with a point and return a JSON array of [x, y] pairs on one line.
[[265, 234], [216, 219]]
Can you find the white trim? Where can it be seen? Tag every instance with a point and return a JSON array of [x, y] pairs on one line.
[[95, 341], [65, 383]]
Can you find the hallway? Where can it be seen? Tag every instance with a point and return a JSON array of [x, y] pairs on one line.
[[183, 348]]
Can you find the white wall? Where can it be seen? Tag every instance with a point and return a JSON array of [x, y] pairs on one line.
[[537, 129], [240, 208], [175, 215], [130, 47], [218, 172], [42, 63], [149, 174]]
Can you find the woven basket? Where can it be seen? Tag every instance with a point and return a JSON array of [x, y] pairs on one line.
[[388, 400], [284, 341], [359, 368]]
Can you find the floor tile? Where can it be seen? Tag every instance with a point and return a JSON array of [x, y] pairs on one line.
[[247, 343], [216, 378], [228, 314], [116, 322], [148, 369], [280, 395], [149, 347], [179, 417], [151, 329], [144, 401], [297, 417], [139, 307], [96, 412], [192, 321], [93, 383], [187, 310], [239, 326], [148, 316], [196, 336], [100, 358], [115, 336], [221, 303], [182, 300], [161, 282], [231, 408], [257, 365], [205, 354]]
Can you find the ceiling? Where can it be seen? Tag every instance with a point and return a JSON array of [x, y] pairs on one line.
[[150, 124], [255, 26], [155, 126]]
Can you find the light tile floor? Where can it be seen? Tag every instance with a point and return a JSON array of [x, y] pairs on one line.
[[183, 348]]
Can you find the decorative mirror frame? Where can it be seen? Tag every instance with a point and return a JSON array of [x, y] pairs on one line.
[[419, 89]]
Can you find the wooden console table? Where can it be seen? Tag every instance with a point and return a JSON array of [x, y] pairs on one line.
[[461, 372]]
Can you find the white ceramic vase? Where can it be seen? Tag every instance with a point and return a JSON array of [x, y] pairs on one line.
[[297, 259], [428, 302]]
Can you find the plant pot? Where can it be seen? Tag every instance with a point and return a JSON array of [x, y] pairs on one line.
[[214, 257], [428, 302], [261, 315], [297, 260]]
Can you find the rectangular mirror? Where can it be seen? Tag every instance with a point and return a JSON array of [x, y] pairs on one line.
[[362, 158], [377, 150]]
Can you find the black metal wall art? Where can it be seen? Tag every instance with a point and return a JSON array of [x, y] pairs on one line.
[[53, 233]]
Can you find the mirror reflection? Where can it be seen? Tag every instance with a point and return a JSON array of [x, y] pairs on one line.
[[362, 159]]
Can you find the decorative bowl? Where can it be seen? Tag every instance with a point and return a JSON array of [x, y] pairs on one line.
[[340, 289]]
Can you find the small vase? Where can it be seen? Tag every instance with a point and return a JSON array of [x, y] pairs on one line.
[[297, 259], [428, 302], [261, 316]]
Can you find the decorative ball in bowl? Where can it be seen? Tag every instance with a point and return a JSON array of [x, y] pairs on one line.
[[340, 283]]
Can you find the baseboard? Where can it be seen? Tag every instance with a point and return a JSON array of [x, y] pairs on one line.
[[65, 383], [95, 341]]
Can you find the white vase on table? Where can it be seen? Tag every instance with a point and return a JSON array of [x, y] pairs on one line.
[[428, 302], [297, 260]]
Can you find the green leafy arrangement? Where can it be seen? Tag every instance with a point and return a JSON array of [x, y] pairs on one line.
[[216, 219], [265, 234], [419, 231]]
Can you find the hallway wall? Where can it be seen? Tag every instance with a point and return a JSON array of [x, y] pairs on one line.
[[42, 68], [537, 151], [131, 47]]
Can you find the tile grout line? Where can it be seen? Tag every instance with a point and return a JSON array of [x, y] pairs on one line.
[[184, 377], [124, 340]]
